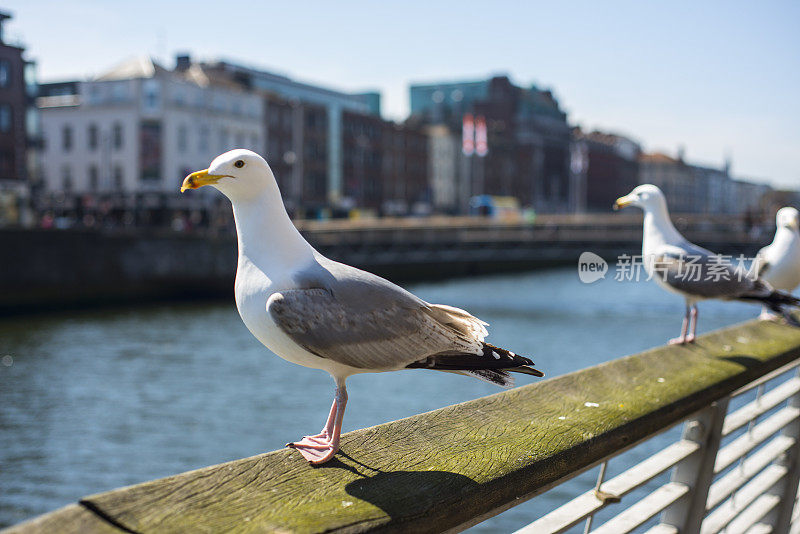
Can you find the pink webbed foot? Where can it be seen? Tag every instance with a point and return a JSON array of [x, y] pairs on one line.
[[315, 449], [322, 447], [767, 316], [678, 341], [690, 338]]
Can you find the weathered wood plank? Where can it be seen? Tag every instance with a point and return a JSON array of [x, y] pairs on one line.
[[449, 468], [71, 518]]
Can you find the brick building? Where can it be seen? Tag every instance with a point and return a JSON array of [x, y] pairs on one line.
[[611, 167], [528, 141], [18, 121]]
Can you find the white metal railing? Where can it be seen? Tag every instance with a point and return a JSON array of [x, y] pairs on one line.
[[731, 472]]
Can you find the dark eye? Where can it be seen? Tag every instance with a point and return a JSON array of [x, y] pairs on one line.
[[239, 164]]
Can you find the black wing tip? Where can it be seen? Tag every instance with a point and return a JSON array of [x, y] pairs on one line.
[[517, 363], [526, 370], [779, 299], [492, 361]]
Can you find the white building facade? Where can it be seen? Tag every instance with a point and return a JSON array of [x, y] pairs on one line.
[[141, 128]]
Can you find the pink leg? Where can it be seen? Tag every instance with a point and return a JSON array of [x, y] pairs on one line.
[[684, 328], [693, 318], [322, 447], [327, 430]]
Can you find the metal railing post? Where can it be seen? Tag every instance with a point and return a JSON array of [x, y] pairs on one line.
[[697, 470], [781, 517]]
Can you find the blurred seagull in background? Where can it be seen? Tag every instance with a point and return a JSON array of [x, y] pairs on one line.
[[779, 262], [691, 271], [322, 314]]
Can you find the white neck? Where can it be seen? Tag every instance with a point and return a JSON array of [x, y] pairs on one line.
[[267, 236], [658, 229], [785, 238]]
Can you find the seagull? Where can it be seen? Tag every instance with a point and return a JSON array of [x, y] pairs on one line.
[[779, 262], [322, 314], [695, 273]]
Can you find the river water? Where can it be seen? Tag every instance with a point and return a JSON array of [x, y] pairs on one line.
[[90, 401]]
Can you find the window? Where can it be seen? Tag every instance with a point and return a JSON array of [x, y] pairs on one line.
[[29, 75], [5, 73], [151, 92], [183, 134], [66, 138], [119, 91], [32, 124], [6, 163], [5, 118], [66, 178], [205, 132], [118, 140], [92, 137], [119, 178], [93, 178], [95, 93]]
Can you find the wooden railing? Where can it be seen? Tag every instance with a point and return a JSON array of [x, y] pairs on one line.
[[454, 467]]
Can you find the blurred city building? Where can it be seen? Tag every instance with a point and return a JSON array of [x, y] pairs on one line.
[[386, 165], [330, 150], [692, 188], [123, 140], [607, 164], [19, 129], [526, 150], [127, 138], [444, 151], [112, 150]]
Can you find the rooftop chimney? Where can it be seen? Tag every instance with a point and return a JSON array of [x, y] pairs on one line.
[[183, 62], [3, 17]]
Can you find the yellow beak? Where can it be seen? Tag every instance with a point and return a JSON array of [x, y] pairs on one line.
[[621, 202], [199, 179]]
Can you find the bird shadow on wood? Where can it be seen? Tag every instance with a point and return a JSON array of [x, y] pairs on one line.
[[748, 362], [399, 492]]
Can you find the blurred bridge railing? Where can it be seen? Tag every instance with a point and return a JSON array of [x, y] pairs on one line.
[[736, 466], [122, 265]]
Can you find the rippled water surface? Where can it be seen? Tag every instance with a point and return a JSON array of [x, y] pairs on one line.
[[90, 401]]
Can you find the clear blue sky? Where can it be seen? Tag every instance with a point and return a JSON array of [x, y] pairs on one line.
[[715, 76]]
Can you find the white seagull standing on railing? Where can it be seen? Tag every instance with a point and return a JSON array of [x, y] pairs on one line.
[[779, 262], [691, 271], [319, 313]]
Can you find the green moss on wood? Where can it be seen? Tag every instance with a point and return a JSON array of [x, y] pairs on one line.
[[444, 468]]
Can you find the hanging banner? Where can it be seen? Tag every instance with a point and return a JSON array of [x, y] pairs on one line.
[[481, 137], [468, 135]]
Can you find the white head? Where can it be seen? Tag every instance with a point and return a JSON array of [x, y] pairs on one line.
[[647, 197], [788, 217], [238, 174]]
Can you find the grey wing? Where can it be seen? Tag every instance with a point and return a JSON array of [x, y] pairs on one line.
[[386, 335], [703, 275], [762, 265], [349, 285]]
